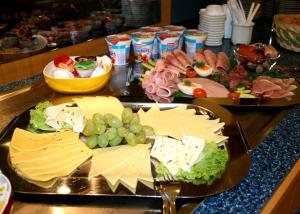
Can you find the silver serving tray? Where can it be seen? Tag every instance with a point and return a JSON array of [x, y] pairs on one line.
[[79, 185]]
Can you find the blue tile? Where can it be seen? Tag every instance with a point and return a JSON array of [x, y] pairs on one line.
[[271, 162]]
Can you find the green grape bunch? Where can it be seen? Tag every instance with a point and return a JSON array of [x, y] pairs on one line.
[[108, 130]]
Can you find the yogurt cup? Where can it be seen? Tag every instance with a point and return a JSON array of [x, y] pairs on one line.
[[156, 31], [194, 41], [142, 43], [177, 29], [119, 48], [168, 41]]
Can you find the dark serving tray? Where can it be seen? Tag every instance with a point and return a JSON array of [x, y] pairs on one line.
[[79, 185], [136, 90]]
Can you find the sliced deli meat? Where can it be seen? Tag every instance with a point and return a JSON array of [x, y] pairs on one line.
[[211, 59], [159, 84], [269, 87], [185, 60], [212, 88], [222, 63], [199, 57], [169, 56]]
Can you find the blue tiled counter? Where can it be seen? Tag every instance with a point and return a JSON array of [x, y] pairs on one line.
[[271, 162]]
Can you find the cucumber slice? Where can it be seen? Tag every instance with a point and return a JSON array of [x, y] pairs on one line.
[[151, 62], [146, 66]]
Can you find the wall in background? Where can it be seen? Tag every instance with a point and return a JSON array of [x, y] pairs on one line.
[[185, 10]]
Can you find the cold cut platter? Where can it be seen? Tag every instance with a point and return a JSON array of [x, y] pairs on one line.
[[30, 175], [248, 78]]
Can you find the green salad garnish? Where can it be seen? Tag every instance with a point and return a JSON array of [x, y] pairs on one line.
[[84, 65], [38, 118], [208, 169]]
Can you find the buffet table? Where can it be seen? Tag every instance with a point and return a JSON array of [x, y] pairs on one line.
[[274, 150], [272, 134]]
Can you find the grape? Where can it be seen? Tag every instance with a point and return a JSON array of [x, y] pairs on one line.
[[102, 141], [91, 141], [141, 137], [127, 115], [115, 122], [135, 127], [135, 118], [131, 139], [98, 119], [122, 131], [89, 128], [115, 141], [108, 117], [111, 133], [149, 131], [100, 129]]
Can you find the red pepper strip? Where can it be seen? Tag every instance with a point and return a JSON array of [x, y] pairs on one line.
[[234, 95]]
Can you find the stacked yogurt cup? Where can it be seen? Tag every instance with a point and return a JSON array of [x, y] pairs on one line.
[[212, 21]]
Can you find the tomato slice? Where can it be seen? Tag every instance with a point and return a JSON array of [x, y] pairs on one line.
[[234, 95], [199, 93], [190, 74]]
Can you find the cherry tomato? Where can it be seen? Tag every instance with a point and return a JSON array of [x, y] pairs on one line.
[[199, 93], [190, 74], [234, 95]]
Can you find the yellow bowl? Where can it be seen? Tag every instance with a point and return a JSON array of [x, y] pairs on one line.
[[76, 85]]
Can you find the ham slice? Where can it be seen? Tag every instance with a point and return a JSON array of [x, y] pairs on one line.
[[199, 57], [159, 83], [270, 51], [212, 88], [185, 60], [269, 87], [160, 65], [170, 58], [163, 91], [261, 86], [170, 75], [222, 62], [211, 59], [173, 68], [151, 88]]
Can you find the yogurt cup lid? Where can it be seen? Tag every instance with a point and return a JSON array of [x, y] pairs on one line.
[[175, 28], [115, 38]]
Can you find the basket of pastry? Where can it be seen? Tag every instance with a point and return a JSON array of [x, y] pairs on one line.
[[287, 28]]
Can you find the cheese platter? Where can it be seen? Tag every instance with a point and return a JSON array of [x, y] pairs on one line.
[[81, 182]]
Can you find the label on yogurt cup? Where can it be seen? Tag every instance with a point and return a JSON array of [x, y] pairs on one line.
[[156, 31], [194, 41], [177, 29], [119, 48], [142, 45], [168, 41]]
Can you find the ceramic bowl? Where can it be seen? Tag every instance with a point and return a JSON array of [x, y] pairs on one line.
[[77, 85]]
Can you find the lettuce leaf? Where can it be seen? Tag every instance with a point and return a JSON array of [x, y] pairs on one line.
[[38, 118], [208, 169]]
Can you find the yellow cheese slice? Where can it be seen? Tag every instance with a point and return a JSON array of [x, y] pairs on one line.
[[133, 168], [43, 184], [181, 121], [105, 158], [100, 104], [49, 152], [26, 141], [51, 161], [59, 171], [146, 174]]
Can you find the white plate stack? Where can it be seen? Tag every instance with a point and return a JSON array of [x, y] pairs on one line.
[[212, 21]]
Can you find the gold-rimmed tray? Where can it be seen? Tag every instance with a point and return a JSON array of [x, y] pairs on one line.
[[78, 183]]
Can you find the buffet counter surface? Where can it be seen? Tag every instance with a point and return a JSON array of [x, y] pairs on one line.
[[273, 141]]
